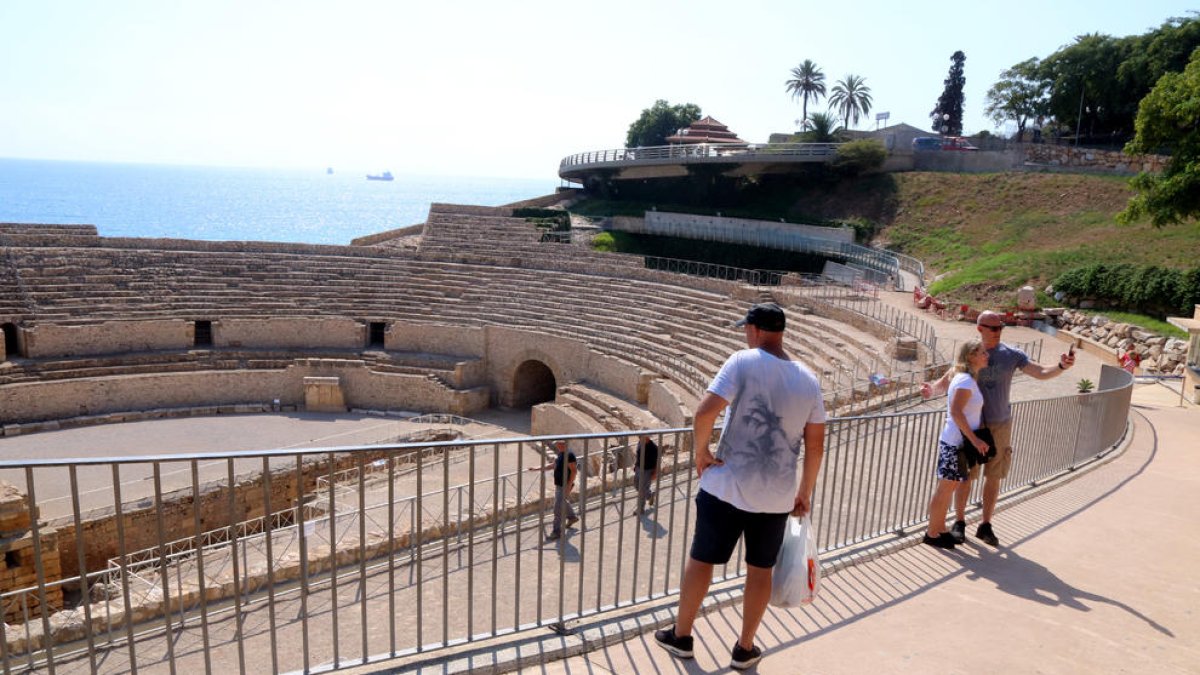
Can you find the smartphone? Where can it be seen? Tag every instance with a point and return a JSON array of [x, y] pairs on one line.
[[1071, 351]]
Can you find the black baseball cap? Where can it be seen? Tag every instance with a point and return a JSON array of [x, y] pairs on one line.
[[766, 316]]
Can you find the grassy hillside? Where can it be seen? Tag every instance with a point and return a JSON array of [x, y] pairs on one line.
[[987, 234]]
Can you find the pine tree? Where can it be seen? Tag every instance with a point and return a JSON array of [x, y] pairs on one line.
[[948, 114]]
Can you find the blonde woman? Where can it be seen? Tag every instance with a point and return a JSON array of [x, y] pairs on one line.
[[964, 413]]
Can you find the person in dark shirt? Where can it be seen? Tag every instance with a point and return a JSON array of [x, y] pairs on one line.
[[565, 467], [645, 471]]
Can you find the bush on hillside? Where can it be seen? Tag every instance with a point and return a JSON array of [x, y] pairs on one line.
[[1148, 289], [604, 242], [859, 156]]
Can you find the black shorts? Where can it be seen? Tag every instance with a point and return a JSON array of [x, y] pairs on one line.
[[719, 525]]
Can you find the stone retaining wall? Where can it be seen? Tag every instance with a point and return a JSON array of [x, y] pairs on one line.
[[1108, 161], [1160, 355]]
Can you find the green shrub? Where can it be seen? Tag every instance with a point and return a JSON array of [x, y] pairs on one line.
[[1148, 289], [859, 156], [604, 242]]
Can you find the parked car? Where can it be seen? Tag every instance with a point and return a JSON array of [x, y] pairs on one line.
[[926, 143], [957, 143]]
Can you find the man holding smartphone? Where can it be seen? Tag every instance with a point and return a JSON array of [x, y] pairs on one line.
[[995, 382]]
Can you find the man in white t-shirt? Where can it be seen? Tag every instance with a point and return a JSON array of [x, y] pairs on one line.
[[751, 484]]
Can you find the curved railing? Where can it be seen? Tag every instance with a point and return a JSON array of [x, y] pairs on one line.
[[700, 153], [436, 548]]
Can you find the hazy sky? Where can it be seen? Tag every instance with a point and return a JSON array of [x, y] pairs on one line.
[[479, 88]]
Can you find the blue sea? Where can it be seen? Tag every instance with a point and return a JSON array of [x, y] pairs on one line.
[[187, 202]]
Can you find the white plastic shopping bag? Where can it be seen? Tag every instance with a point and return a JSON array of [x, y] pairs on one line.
[[797, 573]]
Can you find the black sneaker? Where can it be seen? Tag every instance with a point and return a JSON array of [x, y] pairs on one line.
[[744, 658], [572, 520], [678, 646], [985, 534], [552, 536], [959, 531], [943, 540]]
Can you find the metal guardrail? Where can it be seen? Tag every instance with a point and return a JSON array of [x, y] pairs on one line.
[[885, 262], [451, 552], [659, 154]]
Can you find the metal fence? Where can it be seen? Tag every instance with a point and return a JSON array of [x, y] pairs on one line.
[[702, 151], [442, 548]]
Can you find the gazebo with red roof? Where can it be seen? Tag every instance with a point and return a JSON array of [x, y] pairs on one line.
[[706, 130]]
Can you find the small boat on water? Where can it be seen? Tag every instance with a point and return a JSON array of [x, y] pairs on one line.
[[386, 175], [329, 170]]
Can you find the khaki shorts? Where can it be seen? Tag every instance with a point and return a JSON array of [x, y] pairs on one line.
[[999, 465]]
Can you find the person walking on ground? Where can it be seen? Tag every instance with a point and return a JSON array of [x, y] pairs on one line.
[[964, 410], [565, 466], [645, 471], [995, 382], [751, 484]]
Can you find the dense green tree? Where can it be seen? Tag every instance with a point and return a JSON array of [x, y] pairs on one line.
[[947, 115], [659, 121], [851, 97], [808, 82], [1095, 83], [1169, 120], [1019, 96], [1082, 86]]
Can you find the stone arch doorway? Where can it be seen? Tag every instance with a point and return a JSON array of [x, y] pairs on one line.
[[533, 383], [10, 341]]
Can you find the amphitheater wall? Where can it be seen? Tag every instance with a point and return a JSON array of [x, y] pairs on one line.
[[107, 337], [551, 419], [664, 402], [290, 333], [436, 339], [569, 360], [622, 378], [363, 388]]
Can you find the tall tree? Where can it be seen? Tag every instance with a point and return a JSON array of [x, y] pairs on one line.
[[1019, 96], [948, 113], [659, 121], [1169, 119], [851, 97], [808, 82]]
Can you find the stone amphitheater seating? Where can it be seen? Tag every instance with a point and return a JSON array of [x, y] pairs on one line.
[[476, 267]]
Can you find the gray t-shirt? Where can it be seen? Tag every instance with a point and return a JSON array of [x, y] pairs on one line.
[[770, 402], [995, 381]]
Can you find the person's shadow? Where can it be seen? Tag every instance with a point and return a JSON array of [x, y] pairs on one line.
[[1027, 579], [651, 526]]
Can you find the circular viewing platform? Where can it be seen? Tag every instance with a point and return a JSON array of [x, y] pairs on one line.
[[662, 161]]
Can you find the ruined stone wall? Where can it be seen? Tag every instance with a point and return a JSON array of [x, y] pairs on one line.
[[217, 505], [19, 555]]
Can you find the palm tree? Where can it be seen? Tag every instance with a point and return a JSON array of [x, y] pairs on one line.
[[851, 97], [822, 128], [807, 82]]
